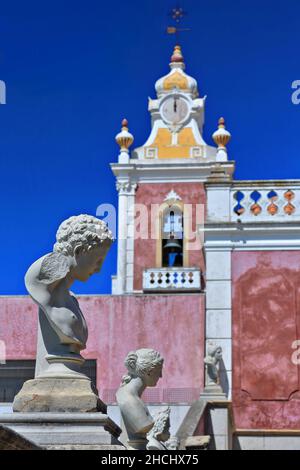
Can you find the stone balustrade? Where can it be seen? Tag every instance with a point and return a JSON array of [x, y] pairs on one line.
[[265, 203], [253, 201], [172, 279]]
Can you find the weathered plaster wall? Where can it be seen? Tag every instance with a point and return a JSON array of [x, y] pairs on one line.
[[266, 322], [155, 193], [172, 324]]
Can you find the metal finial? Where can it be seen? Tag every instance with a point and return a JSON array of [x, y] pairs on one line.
[[177, 15]]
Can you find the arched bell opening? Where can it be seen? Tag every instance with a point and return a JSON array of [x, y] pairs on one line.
[[172, 238]]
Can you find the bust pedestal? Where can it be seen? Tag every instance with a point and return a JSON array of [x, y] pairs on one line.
[[213, 392], [59, 384], [58, 395], [63, 413]]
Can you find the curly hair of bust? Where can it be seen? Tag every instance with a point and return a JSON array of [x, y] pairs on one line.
[[83, 231], [140, 363]]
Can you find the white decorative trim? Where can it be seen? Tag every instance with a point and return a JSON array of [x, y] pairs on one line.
[[218, 294], [218, 308], [218, 203], [180, 170], [126, 187], [130, 235], [172, 196], [172, 279], [264, 440], [252, 236], [196, 152], [218, 265], [129, 284], [218, 323], [151, 152]]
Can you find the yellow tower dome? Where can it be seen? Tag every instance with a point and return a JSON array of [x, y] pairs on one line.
[[177, 78]]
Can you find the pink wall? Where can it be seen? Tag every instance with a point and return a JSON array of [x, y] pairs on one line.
[[172, 324], [155, 193], [266, 321]]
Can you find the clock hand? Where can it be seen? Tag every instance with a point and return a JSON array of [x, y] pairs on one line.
[[175, 105]]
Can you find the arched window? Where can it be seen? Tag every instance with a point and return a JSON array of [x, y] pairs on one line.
[[172, 237]]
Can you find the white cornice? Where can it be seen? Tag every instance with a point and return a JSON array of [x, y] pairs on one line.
[[289, 183], [252, 236], [175, 171], [250, 228]]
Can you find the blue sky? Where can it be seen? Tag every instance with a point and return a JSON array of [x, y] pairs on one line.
[[74, 69]]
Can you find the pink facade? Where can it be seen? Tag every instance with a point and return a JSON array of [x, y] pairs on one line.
[[172, 324], [155, 193], [266, 322]]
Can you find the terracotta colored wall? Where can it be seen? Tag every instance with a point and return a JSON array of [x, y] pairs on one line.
[[18, 327], [172, 324], [266, 321], [155, 193]]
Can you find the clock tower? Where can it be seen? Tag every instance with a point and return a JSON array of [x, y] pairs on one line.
[[162, 196], [177, 117]]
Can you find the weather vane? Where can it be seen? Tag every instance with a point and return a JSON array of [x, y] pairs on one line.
[[177, 14]]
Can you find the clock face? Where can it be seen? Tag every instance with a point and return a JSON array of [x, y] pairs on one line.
[[175, 110]]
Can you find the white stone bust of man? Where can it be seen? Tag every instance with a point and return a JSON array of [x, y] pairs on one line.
[[81, 245]]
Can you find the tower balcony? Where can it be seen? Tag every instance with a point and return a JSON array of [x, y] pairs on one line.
[[172, 280]]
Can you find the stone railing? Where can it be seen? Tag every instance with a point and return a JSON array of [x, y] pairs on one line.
[[172, 279], [265, 203]]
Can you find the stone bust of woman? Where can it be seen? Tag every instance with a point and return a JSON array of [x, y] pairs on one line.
[[144, 370], [211, 361]]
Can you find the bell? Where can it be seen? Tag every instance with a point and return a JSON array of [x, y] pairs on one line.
[[173, 243]]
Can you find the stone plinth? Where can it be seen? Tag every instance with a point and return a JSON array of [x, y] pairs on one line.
[[65, 430], [213, 393], [58, 395], [197, 442], [10, 440]]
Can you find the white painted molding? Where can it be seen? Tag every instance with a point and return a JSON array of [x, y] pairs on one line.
[[252, 236], [172, 196], [180, 170]]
